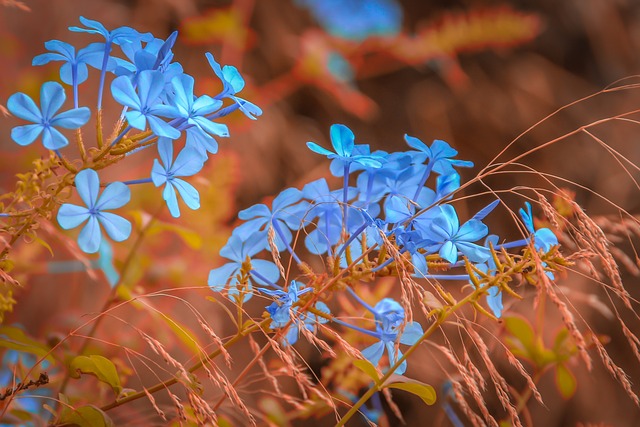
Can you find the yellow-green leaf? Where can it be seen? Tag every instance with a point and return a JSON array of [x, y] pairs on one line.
[[85, 416], [15, 339], [521, 329], [565, 381], [98, 366], [424, 391], [368, 368]]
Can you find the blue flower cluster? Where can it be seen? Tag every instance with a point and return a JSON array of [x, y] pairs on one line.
[[157, 99], [389, 204], [356, 19]]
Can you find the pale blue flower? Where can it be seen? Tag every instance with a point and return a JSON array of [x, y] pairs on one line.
[[114, 196], [188, 163], [389, 317], [45, 119], [145, 104]]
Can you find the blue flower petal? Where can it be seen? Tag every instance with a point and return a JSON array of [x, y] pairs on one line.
[[88, 185], [342, 139], [25, 135], [124, 93], [70, 216], [374, 353], [52, 97], [116, 227], [90, 236], [114, 196], [22, 106], [169, 196], [188, 193], [72, 119], [52, 139], [218, 277]]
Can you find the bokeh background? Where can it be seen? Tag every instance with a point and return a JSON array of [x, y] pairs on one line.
[[474, 73]]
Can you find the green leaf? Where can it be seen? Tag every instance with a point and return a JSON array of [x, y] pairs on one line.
[[14, 338], [182, 332], [521, 329], [85, 416], [565, 381], [424, 391], [368, 368], [101, 367]]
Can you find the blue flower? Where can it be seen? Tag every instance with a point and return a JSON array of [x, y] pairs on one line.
[[389, 317], [286, 214], [279, 309], [193, 111], [326, 208], [145, 105], [46, 120], [156, 55], [281, 312], [114, 196], [444, 234], [232, 83], [238, 250], [117, 36], [342, 139], [356, 19], [440, 155], [188, 163], [74, 70], [543, 238]]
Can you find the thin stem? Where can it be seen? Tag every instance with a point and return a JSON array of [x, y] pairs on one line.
[[351, 238], [119, 137], [264, 279], [138, 181], [74, 81], [425, 176], [345, 194], [361, 301], [356, 328], [280, 233], [103, 71]]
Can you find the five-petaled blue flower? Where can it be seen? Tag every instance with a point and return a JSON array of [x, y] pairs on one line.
[[447, 236], [238, 250], [389, 317], [114, 196], [188, 163], [74, 69], [145, 105], [45, 119], [232, 83], [342, 139], [200, 130]]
